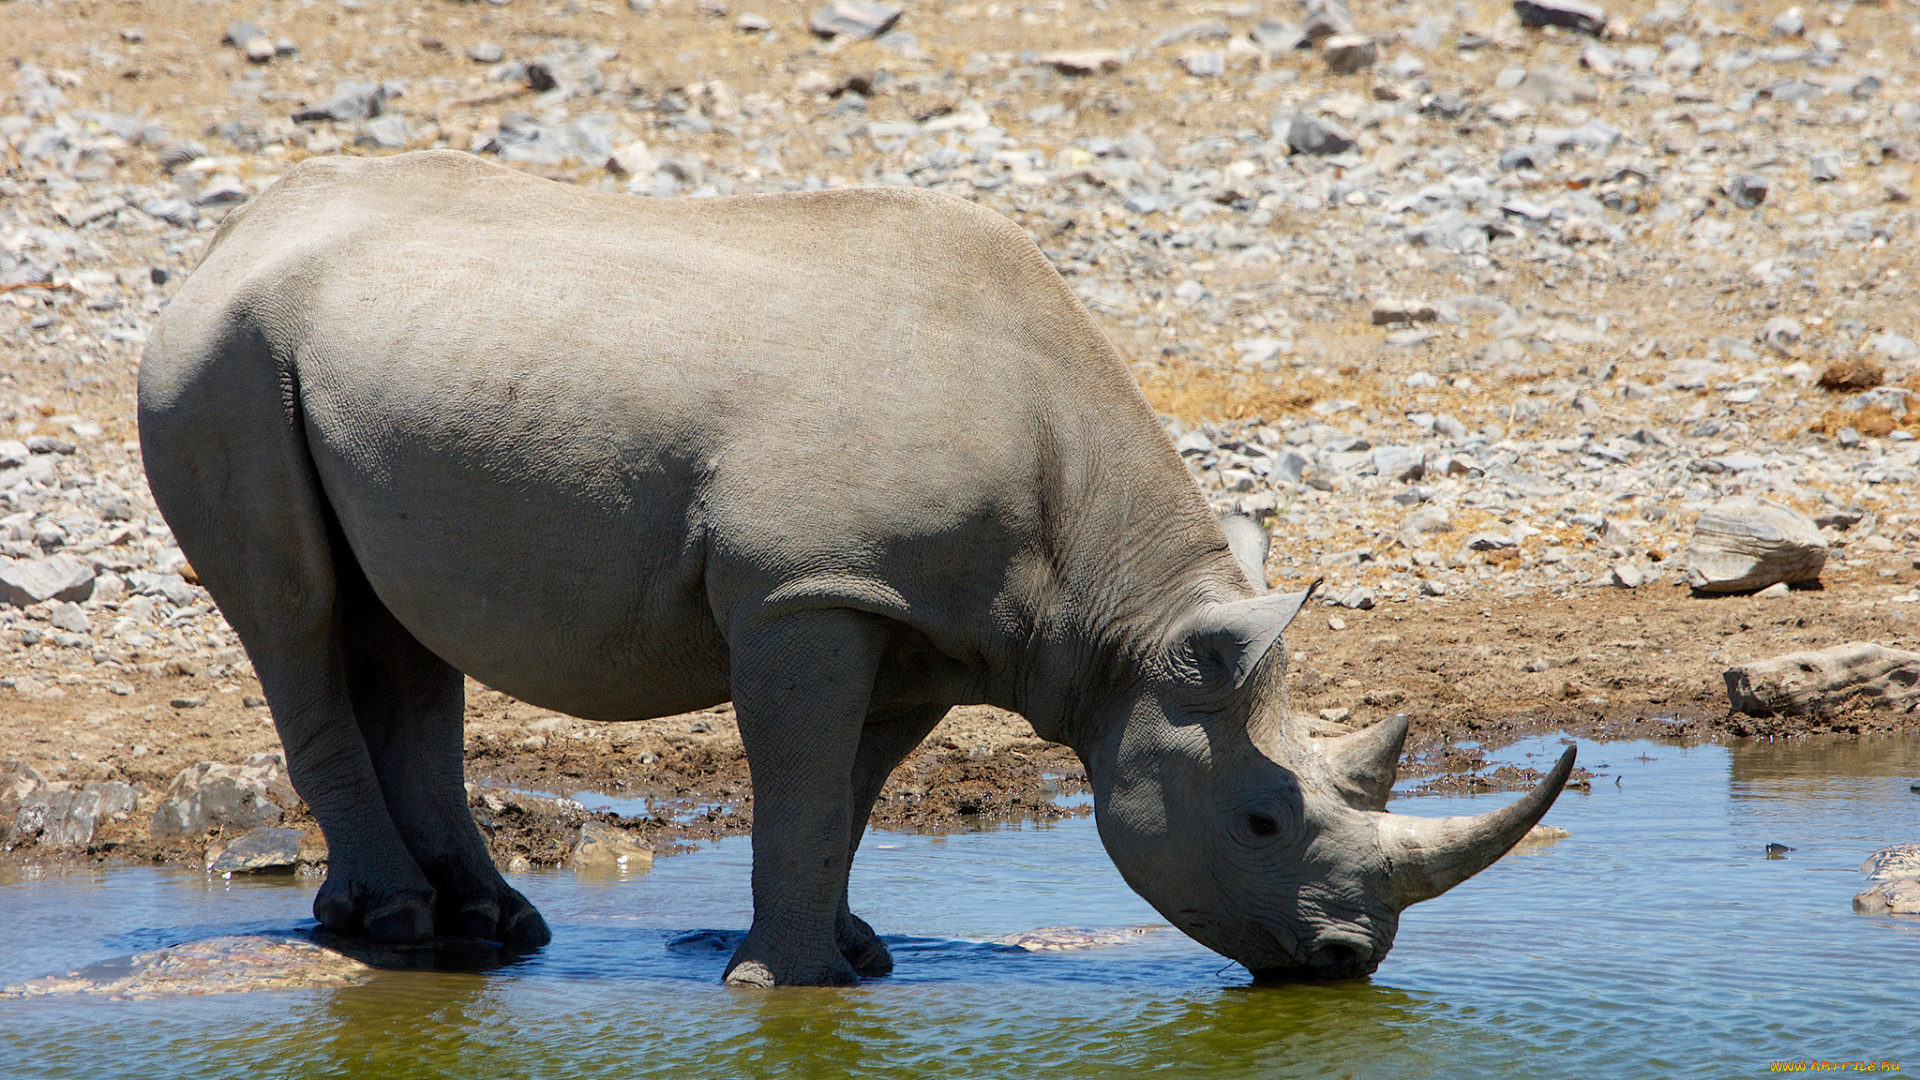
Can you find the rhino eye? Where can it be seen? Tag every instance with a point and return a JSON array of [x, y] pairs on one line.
[[1262, 825]]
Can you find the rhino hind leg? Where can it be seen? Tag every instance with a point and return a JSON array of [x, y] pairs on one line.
[[410, 706], [884, 744], [228, 465]]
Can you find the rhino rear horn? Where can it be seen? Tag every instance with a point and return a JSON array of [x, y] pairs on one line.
[[1364, 765]]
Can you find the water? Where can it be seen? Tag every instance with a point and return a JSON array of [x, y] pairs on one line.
[[1658, 941]]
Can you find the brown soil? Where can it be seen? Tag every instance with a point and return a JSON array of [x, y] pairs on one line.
[[1615, 665]]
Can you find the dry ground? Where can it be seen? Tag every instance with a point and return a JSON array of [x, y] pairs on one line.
[[1610, 663]]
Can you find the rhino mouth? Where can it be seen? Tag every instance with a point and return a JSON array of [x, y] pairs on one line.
[[1331, 961]]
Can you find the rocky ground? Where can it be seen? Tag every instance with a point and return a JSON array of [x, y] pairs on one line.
[[1476, 316]]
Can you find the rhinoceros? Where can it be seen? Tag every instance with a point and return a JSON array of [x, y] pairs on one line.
[[845, 458]]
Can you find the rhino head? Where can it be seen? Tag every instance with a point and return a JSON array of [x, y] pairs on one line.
[[1266, 844]]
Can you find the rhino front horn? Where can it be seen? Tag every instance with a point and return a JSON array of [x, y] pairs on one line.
[[1428, 856]]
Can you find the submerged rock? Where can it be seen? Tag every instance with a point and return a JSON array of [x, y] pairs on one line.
[[221, 965], [602, 847], [1065, 938], [1900, 897], [1544, 834]]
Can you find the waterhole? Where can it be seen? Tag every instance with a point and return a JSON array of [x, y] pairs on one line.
[[1657, 940]]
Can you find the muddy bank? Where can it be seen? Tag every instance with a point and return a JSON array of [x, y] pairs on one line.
[[536, 780], [1473, 677]]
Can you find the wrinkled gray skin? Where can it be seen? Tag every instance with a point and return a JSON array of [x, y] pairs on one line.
[[846, 459]]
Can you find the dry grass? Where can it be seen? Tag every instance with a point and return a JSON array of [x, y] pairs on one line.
[[1195, 394]]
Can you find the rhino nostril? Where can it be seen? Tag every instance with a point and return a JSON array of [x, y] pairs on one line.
[[1340, 955]]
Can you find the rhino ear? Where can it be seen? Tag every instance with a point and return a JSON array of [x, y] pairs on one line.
[[1249, 541], [1225, 642]]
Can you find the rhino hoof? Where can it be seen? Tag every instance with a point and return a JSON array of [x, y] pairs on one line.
[[346, 907], [525, 927], [400, 922], [507, 918], [870, 958]]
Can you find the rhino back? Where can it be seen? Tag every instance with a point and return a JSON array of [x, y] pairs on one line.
[[617, 423]]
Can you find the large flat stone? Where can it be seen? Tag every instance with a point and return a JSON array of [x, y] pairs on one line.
[[1820, 683], [221, 965], [857, 20], [264, 848], [210, 795], [57, 577], [60, 816], [1744, 543]]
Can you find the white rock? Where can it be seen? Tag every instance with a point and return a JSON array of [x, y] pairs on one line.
[[69, 616], [1819, 683], [633, 159], [1389, 311], [58, 577], [1745, 543], [1085, 61], [1399, 462], [1349, 53], [210, 795]]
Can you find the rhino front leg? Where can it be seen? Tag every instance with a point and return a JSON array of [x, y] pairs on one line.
[[801, 686], [411, 709], [884, 744]]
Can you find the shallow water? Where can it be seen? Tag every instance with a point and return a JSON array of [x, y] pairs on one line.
[[1657, 941]]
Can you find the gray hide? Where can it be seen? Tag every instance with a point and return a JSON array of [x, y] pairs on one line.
[[845, 458]]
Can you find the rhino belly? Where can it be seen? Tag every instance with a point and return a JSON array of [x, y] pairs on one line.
[[560, 594]]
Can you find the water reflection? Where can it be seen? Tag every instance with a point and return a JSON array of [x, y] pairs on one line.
[[441, 954], [1822, 757], [1656, 940]]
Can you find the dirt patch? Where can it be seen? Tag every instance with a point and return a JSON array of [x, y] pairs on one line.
[[1473, 676]]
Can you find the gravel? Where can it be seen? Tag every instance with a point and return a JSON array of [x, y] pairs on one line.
[[1617, 268]]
